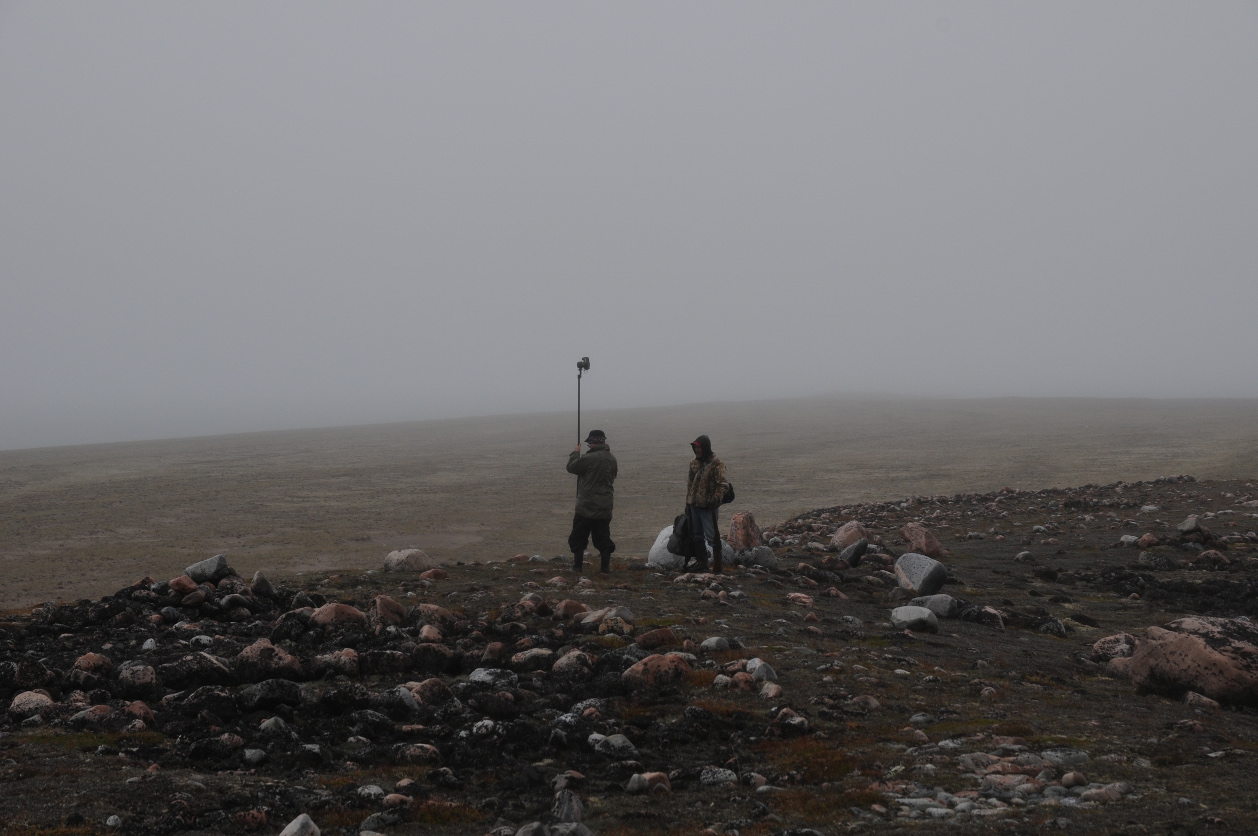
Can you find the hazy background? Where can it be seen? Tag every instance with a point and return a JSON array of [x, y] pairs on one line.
[[225, 217]]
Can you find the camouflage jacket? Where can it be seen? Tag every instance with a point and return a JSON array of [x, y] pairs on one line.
[[596, 471], [705, 485]]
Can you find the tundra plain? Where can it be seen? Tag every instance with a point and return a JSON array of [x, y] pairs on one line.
[[81, 521]]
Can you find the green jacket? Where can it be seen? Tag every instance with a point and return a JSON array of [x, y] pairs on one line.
[[595, 471]]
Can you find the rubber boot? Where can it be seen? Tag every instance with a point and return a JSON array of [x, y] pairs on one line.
[[701, 559], [605, 562], [576, 561]]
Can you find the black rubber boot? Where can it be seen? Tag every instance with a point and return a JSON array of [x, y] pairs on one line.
[[576, 561], [605, 562], [701, 560]]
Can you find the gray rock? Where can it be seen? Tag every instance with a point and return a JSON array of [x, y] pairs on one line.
[[854, 553], [921, 719], [269, 694], [714, 644], [713, 776], [919, 619], [261, 586], [943, 606], [637, 784], [1128, 540], [113, 822], [211, 569], [303, 825], [660, 557], [762, 556], [378, 821], [570, 828], [1065, 758], [764, 673], [253, 757], [535, 828], [494, 678], [1189, 525], [920, 574], [274, 724], [567, 807], [371, 792], [616, 745]]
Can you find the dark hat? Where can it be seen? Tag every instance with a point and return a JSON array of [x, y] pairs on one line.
[[595, 437], [704, 444]]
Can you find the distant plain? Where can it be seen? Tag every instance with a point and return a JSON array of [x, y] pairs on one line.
[[81, 521]]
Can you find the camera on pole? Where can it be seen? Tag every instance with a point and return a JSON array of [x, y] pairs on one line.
[[583, 365]]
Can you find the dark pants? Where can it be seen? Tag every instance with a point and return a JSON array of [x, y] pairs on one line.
[[703, 530], [585, 528]]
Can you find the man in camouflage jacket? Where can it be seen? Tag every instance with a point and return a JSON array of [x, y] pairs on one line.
[[595, 471], [705, 489]]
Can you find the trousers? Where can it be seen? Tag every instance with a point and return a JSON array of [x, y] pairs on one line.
[[586, 528], [703, 531]]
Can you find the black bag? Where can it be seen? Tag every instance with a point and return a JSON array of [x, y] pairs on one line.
[[679, 540], [729, 494]]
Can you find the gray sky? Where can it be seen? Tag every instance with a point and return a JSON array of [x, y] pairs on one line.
[[220, 217]]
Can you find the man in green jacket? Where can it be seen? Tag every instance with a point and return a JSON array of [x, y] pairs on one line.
[[595, 471]]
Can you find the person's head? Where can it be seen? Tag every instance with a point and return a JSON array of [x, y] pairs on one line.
[[596, 437], [702, 447]]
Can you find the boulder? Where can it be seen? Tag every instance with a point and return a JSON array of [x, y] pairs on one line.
[[385, 611], [574, 664], [182, 585], [137, 679], [1215, 657], [921, 541], [655, 671], [759, 556], [408, 560], [853, 554], [919, 574], [433, 691], [263, 660], [343, 662], [301, 826], [533, 659], [209, 570], [918, 619], [269, 694], [568, 608], [30, 703], [262, 587], [1117, 646], [848, 534], [744, 534], [434, 614], [336, 613], [660, 557], [658, 637], [943, 606]]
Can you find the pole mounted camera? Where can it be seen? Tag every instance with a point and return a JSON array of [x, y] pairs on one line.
[[583, 365]]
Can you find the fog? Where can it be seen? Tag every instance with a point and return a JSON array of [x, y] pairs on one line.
[[237, 216]]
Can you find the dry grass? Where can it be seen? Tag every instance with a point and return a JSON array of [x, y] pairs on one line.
[[816, 760]]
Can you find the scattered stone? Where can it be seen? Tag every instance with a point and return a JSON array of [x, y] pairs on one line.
[[408, 560], [943, 606], [848, 534], [920, 574], [922, 542], [655, 671], [211, 570], [917, 619], [303, 825], [744, 534]]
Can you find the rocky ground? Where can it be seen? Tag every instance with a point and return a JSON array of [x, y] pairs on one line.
[[1077, 660]]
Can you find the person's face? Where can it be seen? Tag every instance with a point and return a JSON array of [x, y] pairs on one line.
[[698, 451]]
